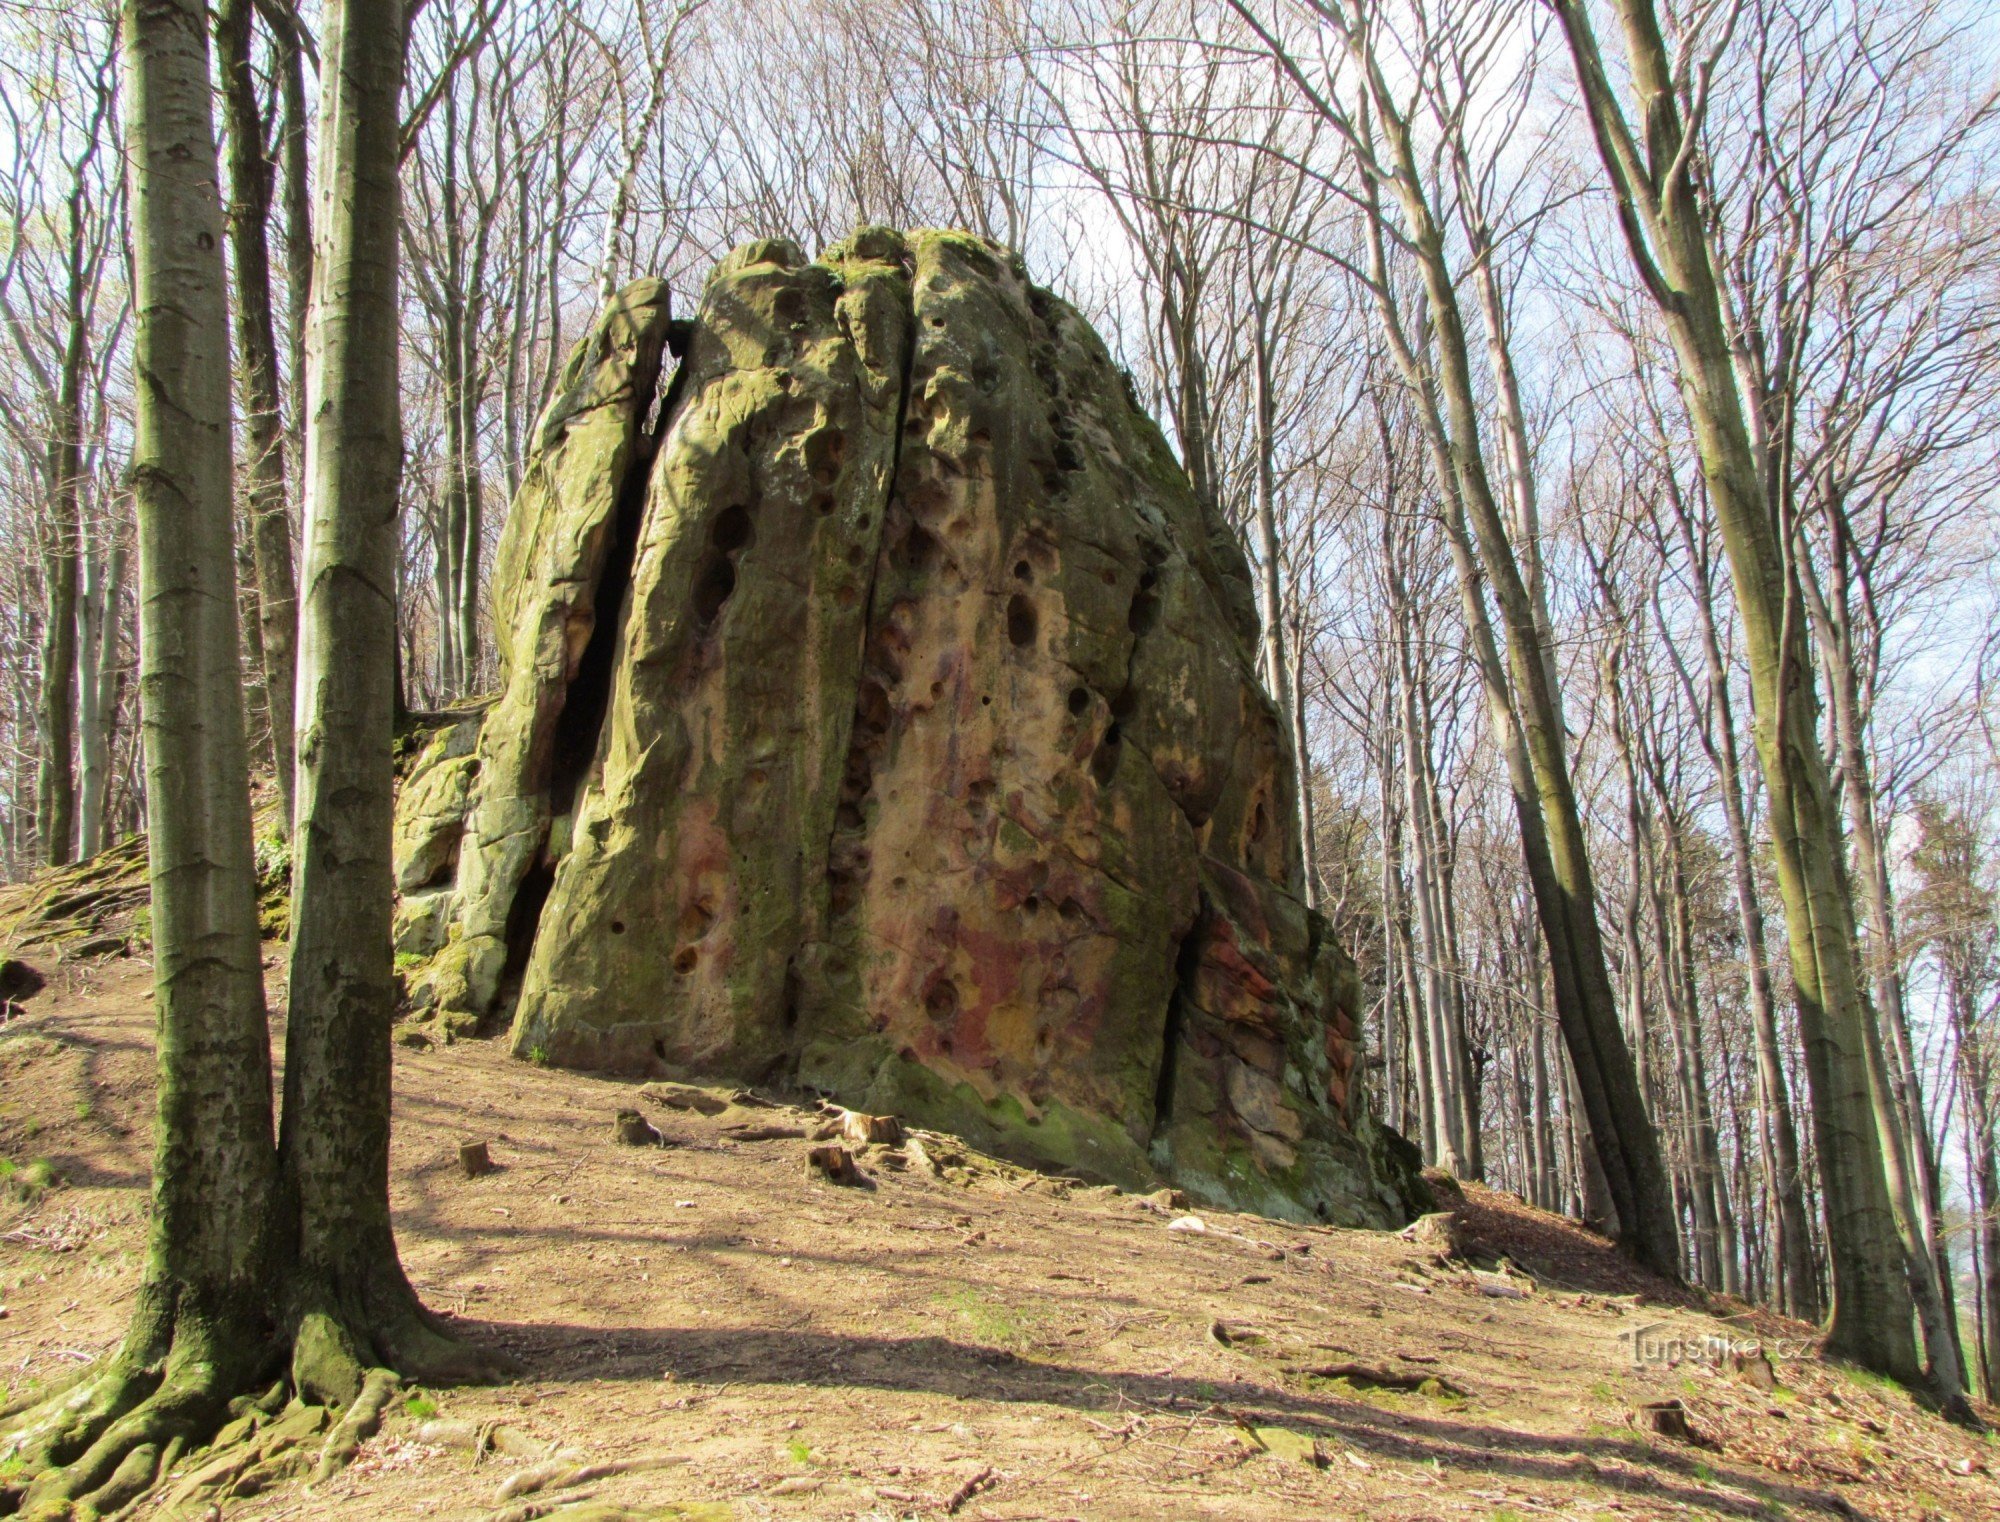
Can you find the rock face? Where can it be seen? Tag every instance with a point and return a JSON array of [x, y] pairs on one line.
[[886, 719]]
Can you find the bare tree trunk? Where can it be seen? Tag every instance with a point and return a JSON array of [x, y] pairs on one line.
[[97, 686], [295, 198], [1661, 216], [1975, 1076], [55, 783], [204, 1315], [1443, 1115], [1799, 1294], [354, 1305], [250, 185], [1527, 723], [1911, 1164]]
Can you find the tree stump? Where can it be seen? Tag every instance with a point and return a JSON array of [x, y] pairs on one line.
[[834, 1161]]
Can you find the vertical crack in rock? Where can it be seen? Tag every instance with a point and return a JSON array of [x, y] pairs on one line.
[[1187, 961], [588, 461], [868, 722], [580, 723], [701, 827]]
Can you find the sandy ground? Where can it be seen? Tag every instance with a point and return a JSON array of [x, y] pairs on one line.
[[978, 1342]]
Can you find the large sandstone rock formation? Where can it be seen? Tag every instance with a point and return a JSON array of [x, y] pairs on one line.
[[885, 718]]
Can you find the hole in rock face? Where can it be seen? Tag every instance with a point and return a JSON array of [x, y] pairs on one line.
[[921, 549], [1023, 571], [1259, 823], [1104, 763], [684, 960], [1021, 621], [1079, 700], [1144, 613], [871, 704], [732, 529], [941, 999], [712, 588], [447, 869], [617, 927]]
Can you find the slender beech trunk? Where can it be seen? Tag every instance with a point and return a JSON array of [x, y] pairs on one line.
[[1442, 1113], [250, 189], [1270, 596], [1277, 675], [1544, 1156], [1705, 1151], [55, 782], [1468, 1087], [1532, 740], [202, 1321], [1975, 1076], [1392, 983], [1302, 749], [295, 200], [1662, 217], [353, 1303], [1800, 1293], [97, 687], [1907, 1151]]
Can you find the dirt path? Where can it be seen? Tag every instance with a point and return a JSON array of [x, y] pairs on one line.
[[985, 1343]]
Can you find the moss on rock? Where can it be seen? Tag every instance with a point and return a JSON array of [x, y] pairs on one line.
[[928, 762]]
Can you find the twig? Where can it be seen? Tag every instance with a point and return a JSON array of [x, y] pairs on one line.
[[984, 1480]]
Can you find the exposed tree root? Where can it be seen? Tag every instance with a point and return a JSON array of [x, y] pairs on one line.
[[98, 1448], [362, 1418], [112, 1437], [560, 1474]]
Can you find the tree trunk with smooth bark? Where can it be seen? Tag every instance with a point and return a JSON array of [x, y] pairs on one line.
[[353, 1306], [250, 194], [206, 1312], [1660, 213]]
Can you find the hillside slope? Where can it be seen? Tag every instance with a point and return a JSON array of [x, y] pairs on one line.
[[952, 1336]]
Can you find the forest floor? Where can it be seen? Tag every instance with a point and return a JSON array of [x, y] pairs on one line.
[[950, 1336]]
